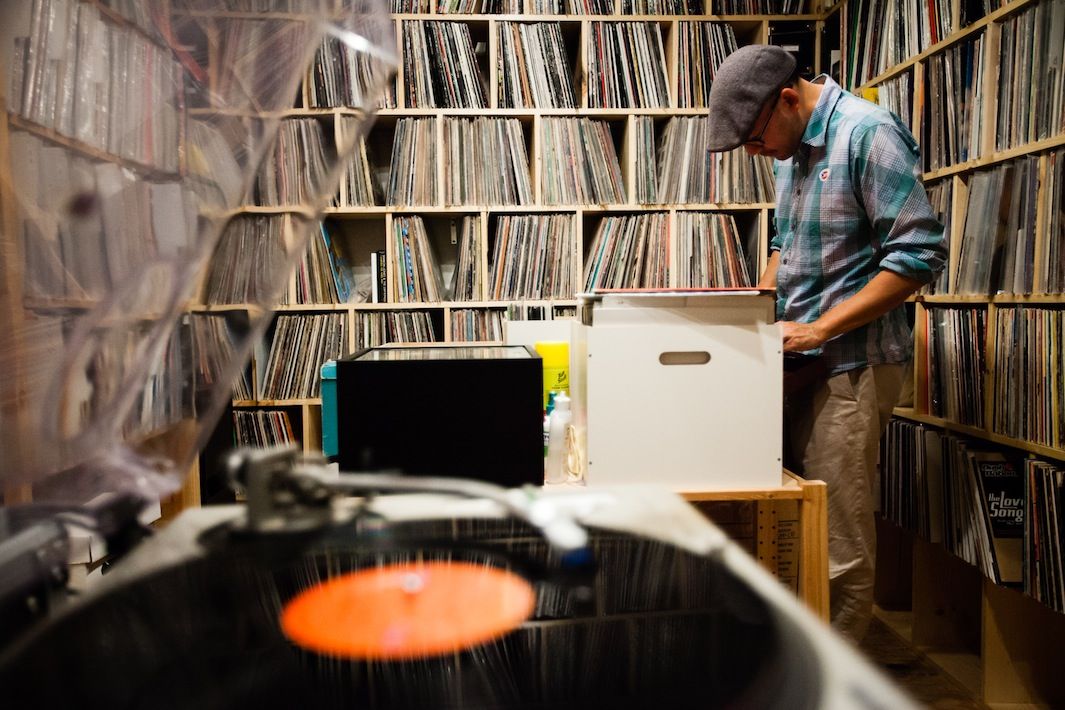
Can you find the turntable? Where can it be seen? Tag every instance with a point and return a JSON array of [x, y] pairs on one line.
[[465, 595]]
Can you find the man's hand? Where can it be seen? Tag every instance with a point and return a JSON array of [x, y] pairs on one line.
[[799, 337], [885, 291]]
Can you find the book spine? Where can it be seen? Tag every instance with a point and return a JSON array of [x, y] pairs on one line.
[[378, 276]]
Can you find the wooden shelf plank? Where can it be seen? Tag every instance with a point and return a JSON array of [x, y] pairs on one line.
[[421, 305], [530, 113], [981, 433], [308, 112], [783, 493], [791, 488], [302, 210], [312, 307], [997, 157], [532, 17], [1035, 299], [23, 124], [381, 210]]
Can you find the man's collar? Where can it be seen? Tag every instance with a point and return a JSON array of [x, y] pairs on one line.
[[817, 127]]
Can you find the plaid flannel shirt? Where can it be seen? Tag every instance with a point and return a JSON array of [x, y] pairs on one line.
[[850, 203]]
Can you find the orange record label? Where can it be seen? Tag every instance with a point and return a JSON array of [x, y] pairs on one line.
[[408, 610]]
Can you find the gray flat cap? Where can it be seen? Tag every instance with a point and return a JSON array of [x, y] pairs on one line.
[[744, 83]]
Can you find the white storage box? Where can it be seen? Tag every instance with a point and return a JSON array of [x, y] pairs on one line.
[[681, 388]]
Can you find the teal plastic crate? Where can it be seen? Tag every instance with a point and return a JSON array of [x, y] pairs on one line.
[[329, 408]]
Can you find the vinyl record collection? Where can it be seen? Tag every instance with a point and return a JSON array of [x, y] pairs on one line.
[[1029, 372], [532, 257], [662, 7], [1032, 44], [955, 365], [896, 95], [440, 66], [572, 7], [629, 251], [485, 162], [1051, 251], [136, 12], [758, 7], [298, 347], [412, 176], [646, 165], [57, 80], [373, 328], [261, 235], [341, 76], [244, 6], [690, 174], [879, 34], [626, 65], [467, 282], [469, 325], [998, 242], [533, 66], [508, 7], [67, 258], [702, 46], [941, 197], [166, 398], [970, 12], [710, 252], [996, 511], [213, 344], [949, 490], [297, 166], [325, 273], [263, 428], [579, 163], [357, 188], [954, 104], [521, 310], [414, 265], [1044, 523]]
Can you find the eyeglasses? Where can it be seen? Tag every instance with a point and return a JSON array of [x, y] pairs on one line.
[[758, 139]]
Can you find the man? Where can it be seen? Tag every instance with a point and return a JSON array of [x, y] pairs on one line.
[[855, 236]]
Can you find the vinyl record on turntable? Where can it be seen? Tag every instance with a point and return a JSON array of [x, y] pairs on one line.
[[410, 610]]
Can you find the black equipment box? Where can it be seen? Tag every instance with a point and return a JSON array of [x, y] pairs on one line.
[[470, 411]]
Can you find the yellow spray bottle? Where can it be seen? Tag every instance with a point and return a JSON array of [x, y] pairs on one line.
[[555, 356]]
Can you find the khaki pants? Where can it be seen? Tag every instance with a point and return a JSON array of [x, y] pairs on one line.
[[833, 430]]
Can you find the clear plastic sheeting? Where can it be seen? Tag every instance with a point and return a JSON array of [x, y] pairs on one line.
[[134, 132]]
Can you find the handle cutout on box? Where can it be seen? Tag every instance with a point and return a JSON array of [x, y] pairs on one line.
[[685, 357]]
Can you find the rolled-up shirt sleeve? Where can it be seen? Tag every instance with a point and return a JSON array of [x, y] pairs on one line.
[[884, 161]]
